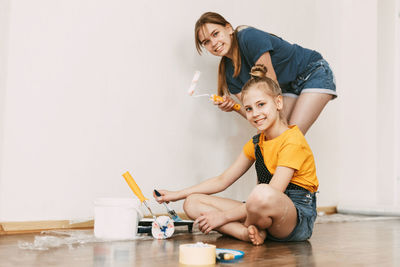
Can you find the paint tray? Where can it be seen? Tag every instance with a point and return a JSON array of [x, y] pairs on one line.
[[145, 225]]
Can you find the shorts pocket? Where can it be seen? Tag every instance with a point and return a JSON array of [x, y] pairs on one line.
[[301, 197]]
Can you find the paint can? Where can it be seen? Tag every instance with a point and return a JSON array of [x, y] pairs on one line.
[[116, 218]]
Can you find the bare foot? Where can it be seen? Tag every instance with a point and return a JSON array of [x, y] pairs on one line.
[[256, 236]]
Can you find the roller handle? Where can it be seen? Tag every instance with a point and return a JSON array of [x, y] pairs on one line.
[[135, 188], [217, 98]]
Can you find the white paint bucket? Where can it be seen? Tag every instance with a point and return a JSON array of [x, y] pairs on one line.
[[116, 218]]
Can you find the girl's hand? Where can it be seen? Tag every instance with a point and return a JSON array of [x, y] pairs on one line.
[[210, 220], [227, 104], [166, 196]]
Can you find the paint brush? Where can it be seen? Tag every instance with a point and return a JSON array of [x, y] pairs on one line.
[[171, 212], [135, 188]]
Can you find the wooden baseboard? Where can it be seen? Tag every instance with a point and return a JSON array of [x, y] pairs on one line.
[[327, 210], [10, 228]]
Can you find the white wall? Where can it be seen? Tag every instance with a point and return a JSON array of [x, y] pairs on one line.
[[386, 101], [372, 186], [96, 88], [397, 108], [4, 25]]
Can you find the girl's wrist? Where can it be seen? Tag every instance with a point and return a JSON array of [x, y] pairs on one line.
[[181, 194]]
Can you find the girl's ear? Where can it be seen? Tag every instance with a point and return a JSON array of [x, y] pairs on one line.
[[279, 102], [229, 28]]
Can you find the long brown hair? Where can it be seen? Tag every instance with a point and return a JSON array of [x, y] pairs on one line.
[[215, 18]]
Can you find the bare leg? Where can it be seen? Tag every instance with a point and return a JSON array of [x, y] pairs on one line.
[[288, 105], [198, 203], [269, 208], [307, 109]]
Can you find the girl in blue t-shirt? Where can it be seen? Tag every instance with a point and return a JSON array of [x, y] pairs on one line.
[[306, 79]]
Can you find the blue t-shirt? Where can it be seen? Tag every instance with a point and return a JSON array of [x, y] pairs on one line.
[[288, 60]]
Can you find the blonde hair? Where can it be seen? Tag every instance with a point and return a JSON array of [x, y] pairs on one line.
[[215, 18], [259, 79]]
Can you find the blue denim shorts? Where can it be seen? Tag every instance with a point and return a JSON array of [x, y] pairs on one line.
[[306, 206], [316, 78]]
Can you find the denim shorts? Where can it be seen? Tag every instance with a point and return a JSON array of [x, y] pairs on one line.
[[306, 206], [316, 78]]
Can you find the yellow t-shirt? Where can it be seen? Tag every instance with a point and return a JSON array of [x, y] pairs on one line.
[[290, 149]]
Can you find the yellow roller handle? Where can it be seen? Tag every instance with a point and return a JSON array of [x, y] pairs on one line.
[[217, 98], [135, 188]]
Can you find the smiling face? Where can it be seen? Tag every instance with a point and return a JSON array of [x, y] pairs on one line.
[[217, 39], [262, 109]]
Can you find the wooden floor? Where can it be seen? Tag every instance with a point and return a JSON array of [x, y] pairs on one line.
[[367, 243]]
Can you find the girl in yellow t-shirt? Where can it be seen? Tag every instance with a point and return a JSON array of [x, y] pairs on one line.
[[282, 207]]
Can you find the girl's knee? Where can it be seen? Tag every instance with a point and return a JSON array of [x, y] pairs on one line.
[[262, 197]]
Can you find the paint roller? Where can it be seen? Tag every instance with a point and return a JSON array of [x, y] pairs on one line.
[[135, 188], [161, 229], [214, 98]]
